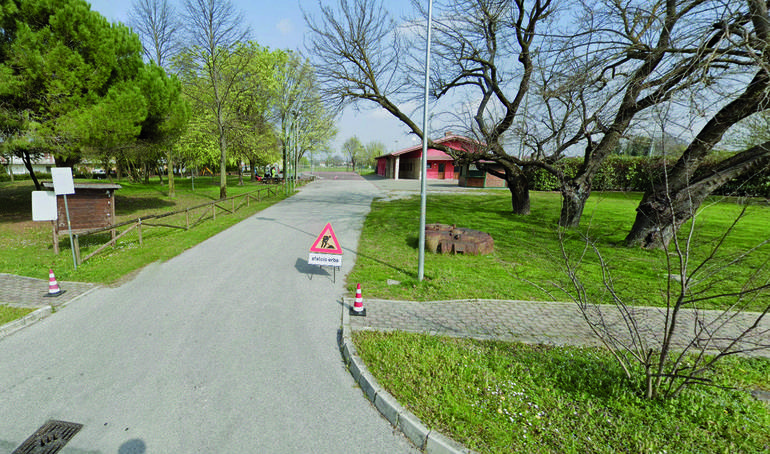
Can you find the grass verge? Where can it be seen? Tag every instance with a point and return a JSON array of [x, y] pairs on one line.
[[27, 248], [504, 397], [10, 313]]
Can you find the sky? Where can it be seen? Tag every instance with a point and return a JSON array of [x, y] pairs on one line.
[[281, 25]]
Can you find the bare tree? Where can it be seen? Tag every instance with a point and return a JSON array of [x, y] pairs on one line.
[[671, 203], [679, 344], [642, 55], [156, 22], [363, 55], [485, 48], [359, 56], [214, 63]]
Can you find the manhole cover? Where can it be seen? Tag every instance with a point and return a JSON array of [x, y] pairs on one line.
[[50, 438]]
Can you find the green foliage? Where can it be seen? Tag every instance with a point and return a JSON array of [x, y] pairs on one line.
[[253, 136], [354, 151], [197, 146], [67, 76], [638, 174], [167, 111], [506, 397], [306, 124], [541, 180]]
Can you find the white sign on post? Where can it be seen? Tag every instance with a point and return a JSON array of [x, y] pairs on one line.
[[44, 206], [62, 180]]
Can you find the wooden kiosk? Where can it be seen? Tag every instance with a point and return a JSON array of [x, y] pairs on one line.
[[92, 206]]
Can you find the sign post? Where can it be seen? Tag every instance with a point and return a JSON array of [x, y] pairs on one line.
[[326, 250], [63, 185], [44, 209]]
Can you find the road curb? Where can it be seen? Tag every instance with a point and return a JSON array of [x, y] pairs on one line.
[[426, 440], [29, 319], [36, 315]]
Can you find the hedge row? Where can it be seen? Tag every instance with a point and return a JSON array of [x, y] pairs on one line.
[[619, 173]]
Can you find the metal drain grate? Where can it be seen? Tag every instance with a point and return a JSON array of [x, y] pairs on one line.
[[50, 438]]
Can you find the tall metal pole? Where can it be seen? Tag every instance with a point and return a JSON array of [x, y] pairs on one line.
[[293, 154], [287, 157], [69, 227], [424, 161]]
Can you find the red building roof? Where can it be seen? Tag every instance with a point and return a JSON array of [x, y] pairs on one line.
[[449, 140]]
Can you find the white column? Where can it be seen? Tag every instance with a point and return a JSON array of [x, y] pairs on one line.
[[398, 161]]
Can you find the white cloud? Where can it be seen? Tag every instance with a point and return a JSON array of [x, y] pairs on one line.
[[285, 26]]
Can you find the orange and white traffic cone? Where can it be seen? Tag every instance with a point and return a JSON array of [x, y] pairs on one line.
[[53, 286], [358, 306]]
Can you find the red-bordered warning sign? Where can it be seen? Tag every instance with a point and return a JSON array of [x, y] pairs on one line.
[[327, 243]]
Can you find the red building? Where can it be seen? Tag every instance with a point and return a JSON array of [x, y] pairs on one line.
[[405, 164]]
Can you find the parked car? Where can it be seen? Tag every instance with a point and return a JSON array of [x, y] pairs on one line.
[[99, 174]]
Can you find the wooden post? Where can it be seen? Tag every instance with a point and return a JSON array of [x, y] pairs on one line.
[[113, 233], [76, 249], [55, 238], [214, 211], [139, 231], [233, 200], [187, 218]]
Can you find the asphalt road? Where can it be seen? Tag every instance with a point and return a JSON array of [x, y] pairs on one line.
[[230, 347]]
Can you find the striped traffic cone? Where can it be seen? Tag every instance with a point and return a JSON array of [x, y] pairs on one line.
[[53, 286], [358, 306]]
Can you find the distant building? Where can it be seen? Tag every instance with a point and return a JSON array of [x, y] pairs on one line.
[[405, 164], [17, 167]]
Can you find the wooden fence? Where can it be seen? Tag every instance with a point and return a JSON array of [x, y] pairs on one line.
[[208, 211]]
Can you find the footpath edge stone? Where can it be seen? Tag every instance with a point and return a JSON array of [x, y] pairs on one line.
[[410, 425]]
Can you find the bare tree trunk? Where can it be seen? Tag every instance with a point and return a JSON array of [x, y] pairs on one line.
[[661, 214], [672, 202], [574, 194], [170, 163], [284, 163], [518, 185], [9, 167], [28, 164], [253, 167]]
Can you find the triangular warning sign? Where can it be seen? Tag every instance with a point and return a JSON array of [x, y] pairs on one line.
[[327, 243]]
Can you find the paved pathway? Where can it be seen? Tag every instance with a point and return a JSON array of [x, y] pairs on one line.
[[547, 323], [30, 292]]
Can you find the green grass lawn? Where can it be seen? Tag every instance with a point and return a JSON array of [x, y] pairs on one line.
[[507, 397], [497, 397], [27, 247], [527, 262]]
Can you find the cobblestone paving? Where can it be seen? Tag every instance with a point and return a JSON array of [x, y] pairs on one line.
[[23, 291], [545, 323]]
